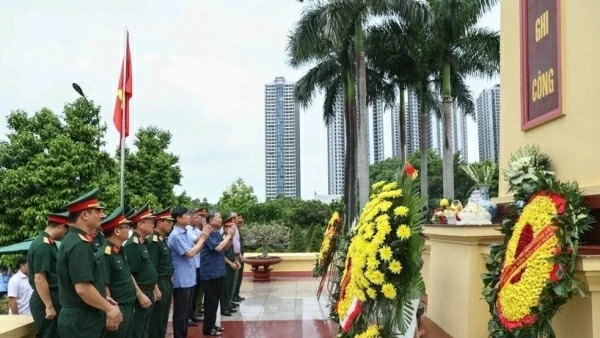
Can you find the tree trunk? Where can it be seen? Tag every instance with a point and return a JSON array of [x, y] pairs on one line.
[[424, 146], [402, 127], [350, 151], [448, 153], [363, 156]]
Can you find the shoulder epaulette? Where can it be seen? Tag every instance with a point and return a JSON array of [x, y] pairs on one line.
[[107, 250], [46, 240], [82, 237], [154, 238], [135, 240]]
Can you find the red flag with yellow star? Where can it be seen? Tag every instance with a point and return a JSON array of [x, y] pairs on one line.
[[126, 87]]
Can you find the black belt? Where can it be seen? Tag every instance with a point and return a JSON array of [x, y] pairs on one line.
[[165, 277], [146, 287]]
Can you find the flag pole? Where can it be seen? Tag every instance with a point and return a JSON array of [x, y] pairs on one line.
[[123, 107]]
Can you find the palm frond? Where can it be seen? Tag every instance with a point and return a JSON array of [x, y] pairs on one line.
[[333, 97], [462, 95], [306, 41], [317, 78], [478, 52]]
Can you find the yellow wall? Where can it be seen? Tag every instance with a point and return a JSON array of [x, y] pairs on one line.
[[291, 262], [571, 140]]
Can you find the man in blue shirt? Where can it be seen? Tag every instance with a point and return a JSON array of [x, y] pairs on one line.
[[212, 270], [194, 231], [184, 276]]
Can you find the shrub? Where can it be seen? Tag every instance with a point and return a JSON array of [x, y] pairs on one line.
[[298, 243], [268, 236]]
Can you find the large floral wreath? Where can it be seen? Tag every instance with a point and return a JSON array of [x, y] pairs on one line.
[[328, 245], [531, 275], [382, 268]]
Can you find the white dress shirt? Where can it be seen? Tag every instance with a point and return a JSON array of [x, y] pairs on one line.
[[19, 288]]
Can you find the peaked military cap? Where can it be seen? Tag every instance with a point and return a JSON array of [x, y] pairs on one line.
[[130, 213], [141, 214], [60, 218], [230, 220], [202, 211], [113, 220], [164, 215], [84, 202]]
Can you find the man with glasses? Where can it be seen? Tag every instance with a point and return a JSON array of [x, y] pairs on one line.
[[119, 282], [143, 270], [85, 310], [161, 256]]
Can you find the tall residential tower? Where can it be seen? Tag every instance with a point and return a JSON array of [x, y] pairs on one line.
[[336, 149], [282, 140], [488, 123]]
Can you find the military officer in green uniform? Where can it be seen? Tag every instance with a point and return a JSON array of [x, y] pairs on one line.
[[118, 279], [161, 256], [98, 239], [143, 270], [236, 293], [231, 266], [85, 312], [41, 259]]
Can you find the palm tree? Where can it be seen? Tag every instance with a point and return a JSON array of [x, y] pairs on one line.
[[345, 19], [333, 73], [461, 49]]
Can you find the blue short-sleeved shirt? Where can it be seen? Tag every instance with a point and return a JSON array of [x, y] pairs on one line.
[[185, 268], [212, 262], [193, 234]]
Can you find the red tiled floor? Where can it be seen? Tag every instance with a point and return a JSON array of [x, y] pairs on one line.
[[270, 329]]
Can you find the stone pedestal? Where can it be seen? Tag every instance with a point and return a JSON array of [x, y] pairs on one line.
[[454, 277]]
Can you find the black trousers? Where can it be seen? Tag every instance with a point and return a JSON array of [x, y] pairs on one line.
[[212, 292], [182, 301], [196, 294]]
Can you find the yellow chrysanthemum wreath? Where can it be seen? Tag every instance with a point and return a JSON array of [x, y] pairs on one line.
[[328, 246], [531, 275], [382, 273]]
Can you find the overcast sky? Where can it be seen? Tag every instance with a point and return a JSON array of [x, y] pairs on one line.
[[199, 71]]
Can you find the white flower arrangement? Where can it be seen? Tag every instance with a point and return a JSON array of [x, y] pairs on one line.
[[480, 173]]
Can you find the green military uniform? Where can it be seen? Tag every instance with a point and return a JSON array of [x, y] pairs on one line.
[[143, 270], [41, 258], [98, 241], [76, 264], [238, 285], [227, 283], [161, 256], [118, 276]]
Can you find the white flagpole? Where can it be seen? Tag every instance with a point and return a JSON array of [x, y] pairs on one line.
[[124, 99]]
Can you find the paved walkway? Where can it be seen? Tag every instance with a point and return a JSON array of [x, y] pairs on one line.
[[283, 308]]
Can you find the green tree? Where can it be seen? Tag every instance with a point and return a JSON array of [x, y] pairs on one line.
[[298, 243], [316, 239], [151, 172], [46, 162], [238, 197], [309, 236]]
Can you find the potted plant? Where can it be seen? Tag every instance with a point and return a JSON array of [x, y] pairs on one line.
[[267, 236]]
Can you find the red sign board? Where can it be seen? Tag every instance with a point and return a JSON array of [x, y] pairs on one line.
[[541, 74]]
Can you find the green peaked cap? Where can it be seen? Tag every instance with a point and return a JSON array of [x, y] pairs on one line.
[[84, 202], [164, 214], [130, 213], [143, 213], [59, 217], [114, 219]]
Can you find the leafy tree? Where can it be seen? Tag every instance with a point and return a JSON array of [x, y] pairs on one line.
[[47, 162], [298, 243], [238, 197], [309, 236], [151, 172], [316, 238]]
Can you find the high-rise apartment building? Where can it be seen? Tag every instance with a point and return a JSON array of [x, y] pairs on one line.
[[282, 140], [395, 116], [488, 123], [336, 148], [435, 132], [377, 134]]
